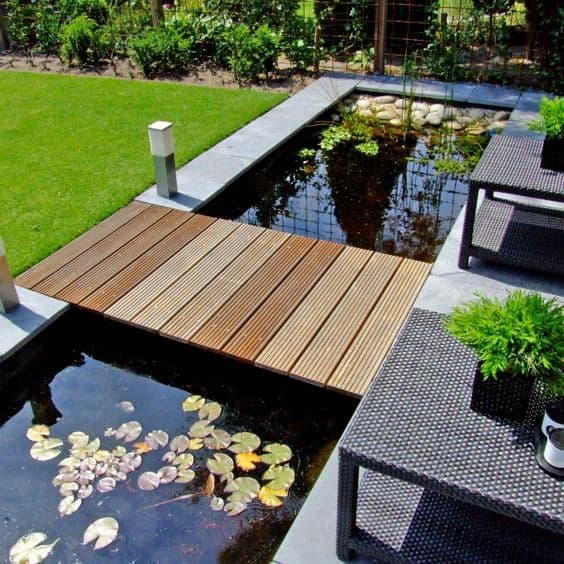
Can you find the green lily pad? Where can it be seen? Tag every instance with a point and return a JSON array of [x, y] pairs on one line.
[[184, 460], [104, 531], [219, 439], [69, 505], [129, 431], [167, 474], [185, 475], [220, 464], [243, 489], [78, 438], [216, 503], [38, 433], [193, 403], [148, 481], [46, 449], [126, 406], [277, 453], [234, 508], [201, 429], [156, 439], [244, 442], [28, 549], [179, 444], [279, 477], [210, 411]]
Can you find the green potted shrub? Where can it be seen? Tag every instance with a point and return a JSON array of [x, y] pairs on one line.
[[552, 124], [518, 342]]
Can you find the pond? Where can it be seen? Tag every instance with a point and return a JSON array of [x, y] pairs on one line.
[[402, 201], [88, 375]]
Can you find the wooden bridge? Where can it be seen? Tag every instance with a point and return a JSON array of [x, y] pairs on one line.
[[319, 311]]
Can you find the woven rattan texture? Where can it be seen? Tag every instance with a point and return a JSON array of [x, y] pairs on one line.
[[404, 521], [415, 423], [514, 163], [520, 235]]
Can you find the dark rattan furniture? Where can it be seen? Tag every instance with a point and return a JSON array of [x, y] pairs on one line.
[[501, 231], [442, 483]]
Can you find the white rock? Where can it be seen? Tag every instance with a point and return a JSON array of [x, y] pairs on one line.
[[418, 121], [385, 115], [363, 103], [476, 113], [418, 114], [435, 108], [464, 120], [396, 122], [450, 113], [497, 125], [384, 99], [365, 112], [420, 107], [434, 118], [401, 103], [501, 116], [453, 125]]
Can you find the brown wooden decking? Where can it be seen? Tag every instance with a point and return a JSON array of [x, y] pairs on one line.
[[314, 310]]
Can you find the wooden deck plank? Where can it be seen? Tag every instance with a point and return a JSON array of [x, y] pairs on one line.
[[256, 332], [115, 288], [36, 274], [330, 343], [116, 262], [195, 279], [165, 277], [363, 358], [100, 250], [205, 304], [283, 350], [221, 327]]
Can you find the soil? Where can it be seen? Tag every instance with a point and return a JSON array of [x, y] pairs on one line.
[[285, 80]]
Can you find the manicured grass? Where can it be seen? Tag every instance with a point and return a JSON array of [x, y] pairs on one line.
[[75, 149]]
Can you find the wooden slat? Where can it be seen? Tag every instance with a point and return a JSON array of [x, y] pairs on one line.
[[330, 343], [52, 263], [227, 321], [299, 329], [363, 358], [115, 288], [166, 275], [99, 251], [255, 334], [197, 311], [170, 301], [116, 262]]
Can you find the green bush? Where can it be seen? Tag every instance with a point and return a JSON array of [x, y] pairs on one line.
[[298, 43], [22, 17], [524, 336], [255, 13], [82, 40], [552, 117], [97, 10], [161, 51], [252, 53]]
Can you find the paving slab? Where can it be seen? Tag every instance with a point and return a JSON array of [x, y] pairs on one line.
[[496, 96], [34, 314]]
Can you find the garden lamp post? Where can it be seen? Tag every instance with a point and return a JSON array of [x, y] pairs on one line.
[[162, 149], [8, 295]]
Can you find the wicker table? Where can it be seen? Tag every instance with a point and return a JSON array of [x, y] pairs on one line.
[[442, 483], [510, 233]]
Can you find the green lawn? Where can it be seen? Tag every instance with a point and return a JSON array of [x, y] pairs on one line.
[[75, 149]]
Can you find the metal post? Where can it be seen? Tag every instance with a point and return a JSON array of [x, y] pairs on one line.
[[162, 149], [8, 295], [380, 36]]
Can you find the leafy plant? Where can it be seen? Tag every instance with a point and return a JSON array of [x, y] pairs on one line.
[[523, 336], [552, 118], [82, 40]]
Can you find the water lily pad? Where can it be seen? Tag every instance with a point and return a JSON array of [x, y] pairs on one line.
[[46, 449], [179, 444], [277, 453], [185, 475], [148, 481], [78, 438], [271, 498], [68, 505], [193, 403], [109, 432], [201, 429], [216, 503], [279, 477], [102, 455], [243, 489], [167, 474], [68, 488], [210, 411], [234, 508], [119, 451], [196, 444], [244, 442], [168, 457], [28, 549], [184, 460], [156, 439], [85, 491], [129, 431], [220, 464], [106, 484], [247, 460], [70, 462], [126, 406], [104, 531], [38, 433], [229, 477], [218, 439], [82, 450]]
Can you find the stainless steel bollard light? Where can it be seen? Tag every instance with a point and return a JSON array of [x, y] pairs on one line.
[[8, 295], [162, 149]]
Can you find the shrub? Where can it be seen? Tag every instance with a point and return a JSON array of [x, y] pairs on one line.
[[161, 51], [298, 43], [82, 40], [21, 23], [97, 10], [252, 53], [552, 117]]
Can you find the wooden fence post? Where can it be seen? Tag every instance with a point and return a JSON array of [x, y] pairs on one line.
[[157, 11], [380, 35]]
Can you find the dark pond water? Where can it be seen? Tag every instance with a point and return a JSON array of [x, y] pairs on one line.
[[72, 380], [394, 203]]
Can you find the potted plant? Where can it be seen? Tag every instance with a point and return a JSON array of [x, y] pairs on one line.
[[518, 342], [552, 124]]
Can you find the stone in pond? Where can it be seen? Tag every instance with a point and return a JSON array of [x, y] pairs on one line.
[[384, 99], [434, 118]]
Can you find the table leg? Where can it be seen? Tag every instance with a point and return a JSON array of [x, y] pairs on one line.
[[346, 505], [469, 218]]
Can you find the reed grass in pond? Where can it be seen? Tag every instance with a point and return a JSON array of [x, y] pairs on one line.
[[356, 181], [174, 454]]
